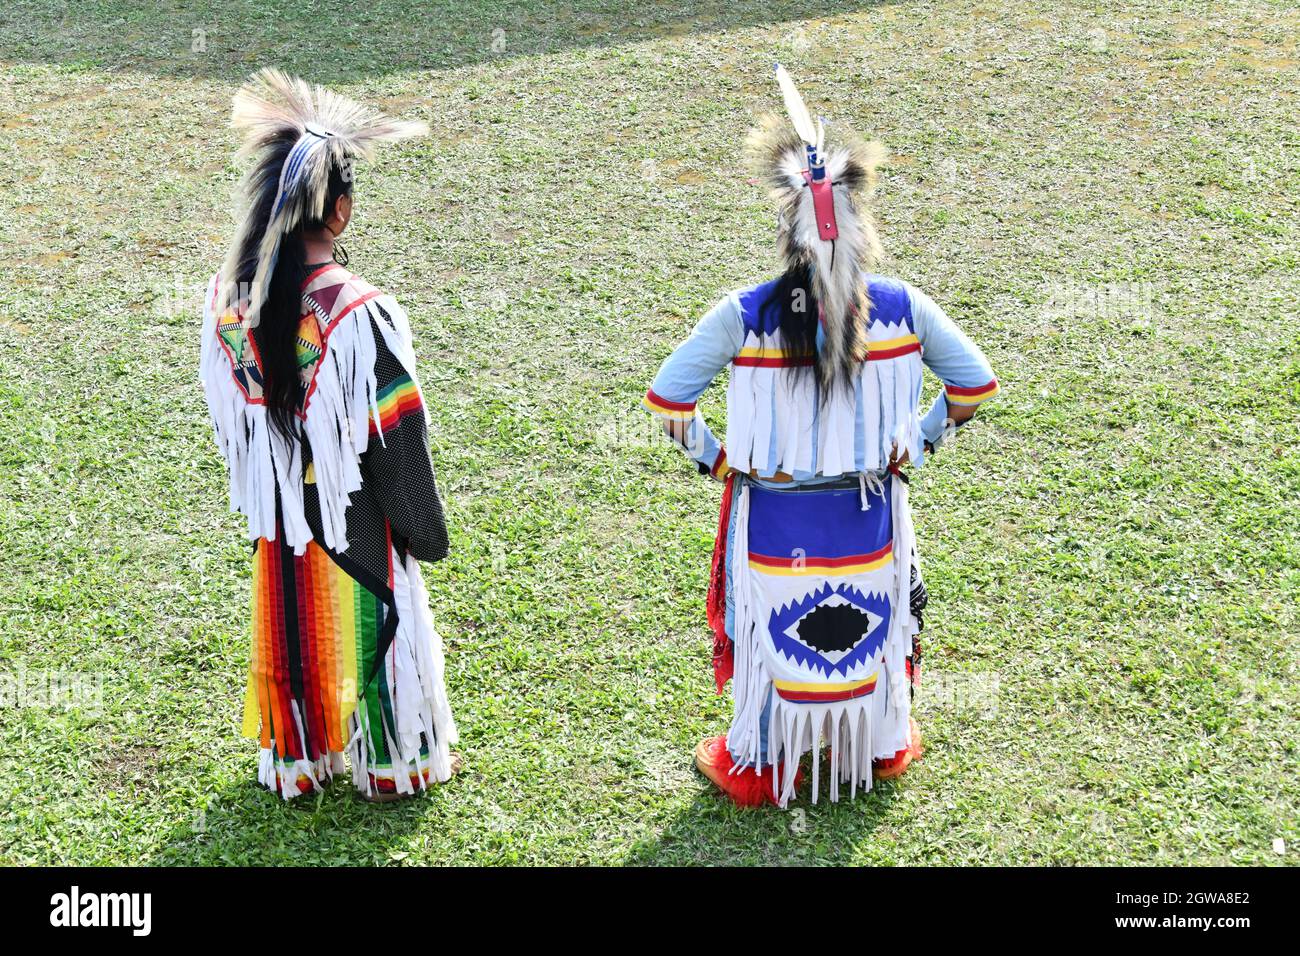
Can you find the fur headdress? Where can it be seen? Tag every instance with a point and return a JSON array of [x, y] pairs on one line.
[[284, 189], [822, 189]]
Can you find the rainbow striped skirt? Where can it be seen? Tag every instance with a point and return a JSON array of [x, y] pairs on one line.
[[344, 664]]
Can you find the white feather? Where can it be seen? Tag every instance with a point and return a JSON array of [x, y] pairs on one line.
[[794, 106]]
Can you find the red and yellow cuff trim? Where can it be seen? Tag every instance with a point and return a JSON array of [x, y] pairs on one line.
[[760, 357], [720, 467], [892, 348], [850, 564], [395, 400], [680, 411], [970, 396], [800, 693]]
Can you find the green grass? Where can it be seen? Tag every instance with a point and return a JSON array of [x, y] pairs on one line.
[[1113, 550]]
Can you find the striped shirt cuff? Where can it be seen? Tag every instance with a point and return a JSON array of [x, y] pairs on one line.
[[679, 411], [958, 395], [720, 468]]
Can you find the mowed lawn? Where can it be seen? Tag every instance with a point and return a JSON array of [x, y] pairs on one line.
[[1102, 195]]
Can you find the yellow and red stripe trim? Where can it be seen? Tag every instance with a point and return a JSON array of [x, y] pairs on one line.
[[892, 348], [720, 466], [849, 564], [798, 692], [385, 781], [958, 395], [681, 411], [760, 357]]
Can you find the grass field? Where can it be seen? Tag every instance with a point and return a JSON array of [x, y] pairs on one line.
[[1103, 195]]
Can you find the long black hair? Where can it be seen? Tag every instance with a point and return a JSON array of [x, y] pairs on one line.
[[276, 334], [795, 310], [792, 307]]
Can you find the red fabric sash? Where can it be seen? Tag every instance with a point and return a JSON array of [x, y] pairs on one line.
[[716, 602]]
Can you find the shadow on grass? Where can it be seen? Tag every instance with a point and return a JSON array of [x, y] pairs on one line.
[[226, 39], [242, 824], [713, 832]]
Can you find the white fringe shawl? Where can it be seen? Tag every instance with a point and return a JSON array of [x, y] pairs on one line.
[[857, 731], [336, 425], [759, 398]]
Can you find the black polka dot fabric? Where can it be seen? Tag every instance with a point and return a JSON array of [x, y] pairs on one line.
[[399, 471], [398, 488]]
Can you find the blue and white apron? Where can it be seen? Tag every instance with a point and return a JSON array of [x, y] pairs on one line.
[[822, 627]]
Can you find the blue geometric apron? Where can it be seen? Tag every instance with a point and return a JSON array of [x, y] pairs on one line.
[[823, 626]]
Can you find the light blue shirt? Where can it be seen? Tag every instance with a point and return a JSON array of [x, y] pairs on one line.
[[718, 337]]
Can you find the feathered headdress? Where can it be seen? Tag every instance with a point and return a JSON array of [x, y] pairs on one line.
[[822, 189], [326, 131]]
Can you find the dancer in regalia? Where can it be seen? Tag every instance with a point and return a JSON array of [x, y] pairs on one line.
[[310, 379], [815, 597]]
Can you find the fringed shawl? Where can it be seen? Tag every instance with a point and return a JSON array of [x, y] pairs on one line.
[[779, 423], [336, 349]]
